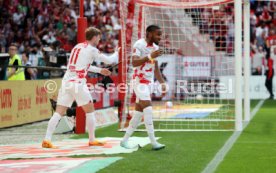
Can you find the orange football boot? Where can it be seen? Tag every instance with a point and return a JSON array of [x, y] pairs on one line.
[[48, 144], [96, 143]]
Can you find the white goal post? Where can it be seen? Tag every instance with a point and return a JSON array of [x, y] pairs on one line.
[[202, 63]]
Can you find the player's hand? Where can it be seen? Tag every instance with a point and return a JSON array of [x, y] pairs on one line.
[[118, 49], [156, 53], [164, 89], [105, 72]]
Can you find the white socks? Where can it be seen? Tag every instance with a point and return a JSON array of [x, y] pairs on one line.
[[149, 124], [147, 112], [91, 125], [52, 124], [135, 120], [90, 121]]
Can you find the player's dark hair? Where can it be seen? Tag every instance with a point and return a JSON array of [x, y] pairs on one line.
[[152, 28]]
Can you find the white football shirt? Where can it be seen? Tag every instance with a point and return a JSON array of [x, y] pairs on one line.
[[82, 55], [145, 72]]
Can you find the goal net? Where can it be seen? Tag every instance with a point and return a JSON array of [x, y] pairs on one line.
[[198, 63]]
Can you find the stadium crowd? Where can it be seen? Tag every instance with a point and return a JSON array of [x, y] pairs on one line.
[[219, 24], [35, 24], [263, 34]]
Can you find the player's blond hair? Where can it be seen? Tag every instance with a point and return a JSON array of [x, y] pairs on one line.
[[91, 32]]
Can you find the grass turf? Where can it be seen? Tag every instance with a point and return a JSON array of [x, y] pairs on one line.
[[185, 152], [255, 149]]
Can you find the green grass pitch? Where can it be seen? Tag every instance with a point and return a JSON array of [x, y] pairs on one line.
[[190, 152]]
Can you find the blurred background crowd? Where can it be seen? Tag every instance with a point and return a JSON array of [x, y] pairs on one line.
[[36, 24]]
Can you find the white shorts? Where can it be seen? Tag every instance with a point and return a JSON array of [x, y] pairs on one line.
[[142, 91], [71, 91]]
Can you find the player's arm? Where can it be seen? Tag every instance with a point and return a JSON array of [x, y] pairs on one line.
[[161, 80], [137, 61], [158, 74], [108, 59], [102, 71]]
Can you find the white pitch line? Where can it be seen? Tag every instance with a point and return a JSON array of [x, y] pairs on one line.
[[213, 164]]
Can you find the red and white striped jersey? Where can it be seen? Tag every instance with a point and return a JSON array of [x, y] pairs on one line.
[[82, 56], [145, 72]]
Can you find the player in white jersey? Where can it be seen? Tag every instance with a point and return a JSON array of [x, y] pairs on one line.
[[145, 68], [74, 85]]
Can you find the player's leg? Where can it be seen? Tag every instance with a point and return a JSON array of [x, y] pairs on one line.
[[91, 124], [135, 120], [148, 120], [133, 124], [84, 99], [64, 101], [143, 93]]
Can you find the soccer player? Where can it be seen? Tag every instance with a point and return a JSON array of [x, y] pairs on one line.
[[145, 68], [74, 85]]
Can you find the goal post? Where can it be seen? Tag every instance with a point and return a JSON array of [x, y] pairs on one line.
[[201, 64]]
